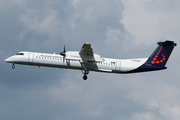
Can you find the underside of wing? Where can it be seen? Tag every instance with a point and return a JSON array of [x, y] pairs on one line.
[[86, 50], [86, 54]]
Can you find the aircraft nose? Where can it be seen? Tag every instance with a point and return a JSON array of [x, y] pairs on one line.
[[9, 60]]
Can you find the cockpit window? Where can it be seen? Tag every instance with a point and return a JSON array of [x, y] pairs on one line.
[[20, 54]]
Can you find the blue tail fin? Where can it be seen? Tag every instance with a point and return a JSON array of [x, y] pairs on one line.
[[160, 56]]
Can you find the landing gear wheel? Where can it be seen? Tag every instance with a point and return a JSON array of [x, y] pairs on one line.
[[85, 72], [13, 66], [85, 77]]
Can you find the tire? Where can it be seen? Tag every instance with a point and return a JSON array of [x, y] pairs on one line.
[[85, 77], [13, 67]]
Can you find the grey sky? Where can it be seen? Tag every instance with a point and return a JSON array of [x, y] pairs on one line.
[[115, 28]]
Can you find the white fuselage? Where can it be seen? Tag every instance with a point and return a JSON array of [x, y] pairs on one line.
[[74, 61]]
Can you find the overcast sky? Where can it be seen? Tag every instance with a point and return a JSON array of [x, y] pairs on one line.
[[115, 28]]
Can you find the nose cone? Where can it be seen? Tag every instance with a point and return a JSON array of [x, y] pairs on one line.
[[9, 60]]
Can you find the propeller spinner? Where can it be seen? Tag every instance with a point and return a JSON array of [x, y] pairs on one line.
[[63, 53]]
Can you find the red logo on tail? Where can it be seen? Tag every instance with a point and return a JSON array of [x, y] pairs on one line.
[[156, 56]]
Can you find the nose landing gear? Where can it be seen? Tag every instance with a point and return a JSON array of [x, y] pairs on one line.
[[13, 66]]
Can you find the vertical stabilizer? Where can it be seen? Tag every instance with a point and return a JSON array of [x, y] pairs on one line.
[[158, 58], [161, 55]]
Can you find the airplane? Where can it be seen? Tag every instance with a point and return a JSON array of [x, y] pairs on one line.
[[85, 60]]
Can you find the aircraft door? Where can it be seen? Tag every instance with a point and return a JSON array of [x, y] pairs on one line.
[[118, 65], [31, 57]]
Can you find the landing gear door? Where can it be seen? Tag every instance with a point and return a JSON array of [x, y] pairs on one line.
[[118, 65], [31, 57]]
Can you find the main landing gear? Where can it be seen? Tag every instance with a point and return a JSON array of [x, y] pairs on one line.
[[85, 72], [13, 66]]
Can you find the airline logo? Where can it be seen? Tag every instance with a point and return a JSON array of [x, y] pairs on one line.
[[155, 60], [112, 62]]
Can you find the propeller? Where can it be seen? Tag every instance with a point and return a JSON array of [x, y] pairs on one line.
[[63, 53]]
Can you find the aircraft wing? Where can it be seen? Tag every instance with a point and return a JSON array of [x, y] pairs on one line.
[[86, 50], [87, 54]]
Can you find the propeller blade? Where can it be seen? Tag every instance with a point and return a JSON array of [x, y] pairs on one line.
[[63, 54], [63, 59], [64, 49]]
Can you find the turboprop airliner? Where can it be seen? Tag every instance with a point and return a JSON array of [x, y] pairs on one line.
[[85, 60]]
